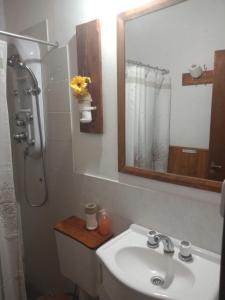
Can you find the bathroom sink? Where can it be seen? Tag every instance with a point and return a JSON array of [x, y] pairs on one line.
[[148, 264], [156, 275]]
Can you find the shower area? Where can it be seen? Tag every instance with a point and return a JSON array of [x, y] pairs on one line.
[[26, 109], [23, 169]]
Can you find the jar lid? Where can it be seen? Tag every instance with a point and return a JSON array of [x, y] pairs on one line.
[[91, 208], [103, 211]]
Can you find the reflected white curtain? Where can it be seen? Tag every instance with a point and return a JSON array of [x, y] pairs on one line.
[[148, 103], [12, 285]]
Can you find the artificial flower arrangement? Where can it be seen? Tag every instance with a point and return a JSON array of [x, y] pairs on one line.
[[79, 85]]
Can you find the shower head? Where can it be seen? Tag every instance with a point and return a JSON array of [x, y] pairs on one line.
[[14, 61]]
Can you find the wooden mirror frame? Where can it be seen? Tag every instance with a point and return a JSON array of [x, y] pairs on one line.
[[167, 177]]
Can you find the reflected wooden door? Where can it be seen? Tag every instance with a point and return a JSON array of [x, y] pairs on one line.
[[217, 131]]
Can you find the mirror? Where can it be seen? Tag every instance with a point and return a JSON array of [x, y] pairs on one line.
[[171, 92]]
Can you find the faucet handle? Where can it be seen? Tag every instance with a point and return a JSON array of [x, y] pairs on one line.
[[185, 251], [152, 242]]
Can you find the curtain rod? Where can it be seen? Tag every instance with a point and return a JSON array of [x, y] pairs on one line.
[[28, 38], [130, 61]]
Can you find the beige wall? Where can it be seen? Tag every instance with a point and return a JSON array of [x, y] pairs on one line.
[[181, 212], [2, 17]]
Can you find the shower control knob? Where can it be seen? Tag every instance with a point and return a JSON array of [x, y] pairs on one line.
[[31, 142], [28, 91], [151, 239], [29, 117], [185, 253], [36, 91], [20, 137], [15, 92], [20, 123]]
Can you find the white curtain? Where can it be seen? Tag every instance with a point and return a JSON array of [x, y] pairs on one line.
[[12, 285], [148, 102]]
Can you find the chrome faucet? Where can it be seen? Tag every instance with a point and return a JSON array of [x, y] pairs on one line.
[[167, 242]]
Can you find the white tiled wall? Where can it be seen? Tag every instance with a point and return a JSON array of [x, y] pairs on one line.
[[58, 95], [59, 126], [41, 260], [60, 156], [166, 211], [57, 67]]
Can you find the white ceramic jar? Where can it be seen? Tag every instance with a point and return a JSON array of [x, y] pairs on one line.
[[91, 216]]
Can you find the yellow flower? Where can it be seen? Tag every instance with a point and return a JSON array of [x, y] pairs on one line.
[[79, 85]]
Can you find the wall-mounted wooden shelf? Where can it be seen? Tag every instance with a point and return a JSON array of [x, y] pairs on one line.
[[90, 64], [206, 78], [74, 228]]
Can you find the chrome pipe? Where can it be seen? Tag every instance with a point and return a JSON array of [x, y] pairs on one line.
[[28, 38]]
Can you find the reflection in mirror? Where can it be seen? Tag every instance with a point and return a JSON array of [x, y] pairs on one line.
[[174, 125]]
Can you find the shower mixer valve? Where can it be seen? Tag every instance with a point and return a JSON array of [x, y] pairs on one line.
[[20, 137], [29, 117], [27, 91], [24, 119], [32, 91], [20, 123]]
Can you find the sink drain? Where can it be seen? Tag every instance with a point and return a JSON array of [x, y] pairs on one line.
[[157, 280]]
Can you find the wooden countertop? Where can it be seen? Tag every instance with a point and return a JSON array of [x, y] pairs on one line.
[[74, 228]]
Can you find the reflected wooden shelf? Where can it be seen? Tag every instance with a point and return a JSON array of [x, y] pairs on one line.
[[206, 78]]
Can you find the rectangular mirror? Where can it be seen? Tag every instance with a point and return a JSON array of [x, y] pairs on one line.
[[171, 92]]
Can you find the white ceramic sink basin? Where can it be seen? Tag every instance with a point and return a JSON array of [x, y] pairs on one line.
[[128, 258]]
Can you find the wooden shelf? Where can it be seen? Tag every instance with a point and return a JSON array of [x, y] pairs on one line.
[[88, 36], [74, 228], [206, 78]]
